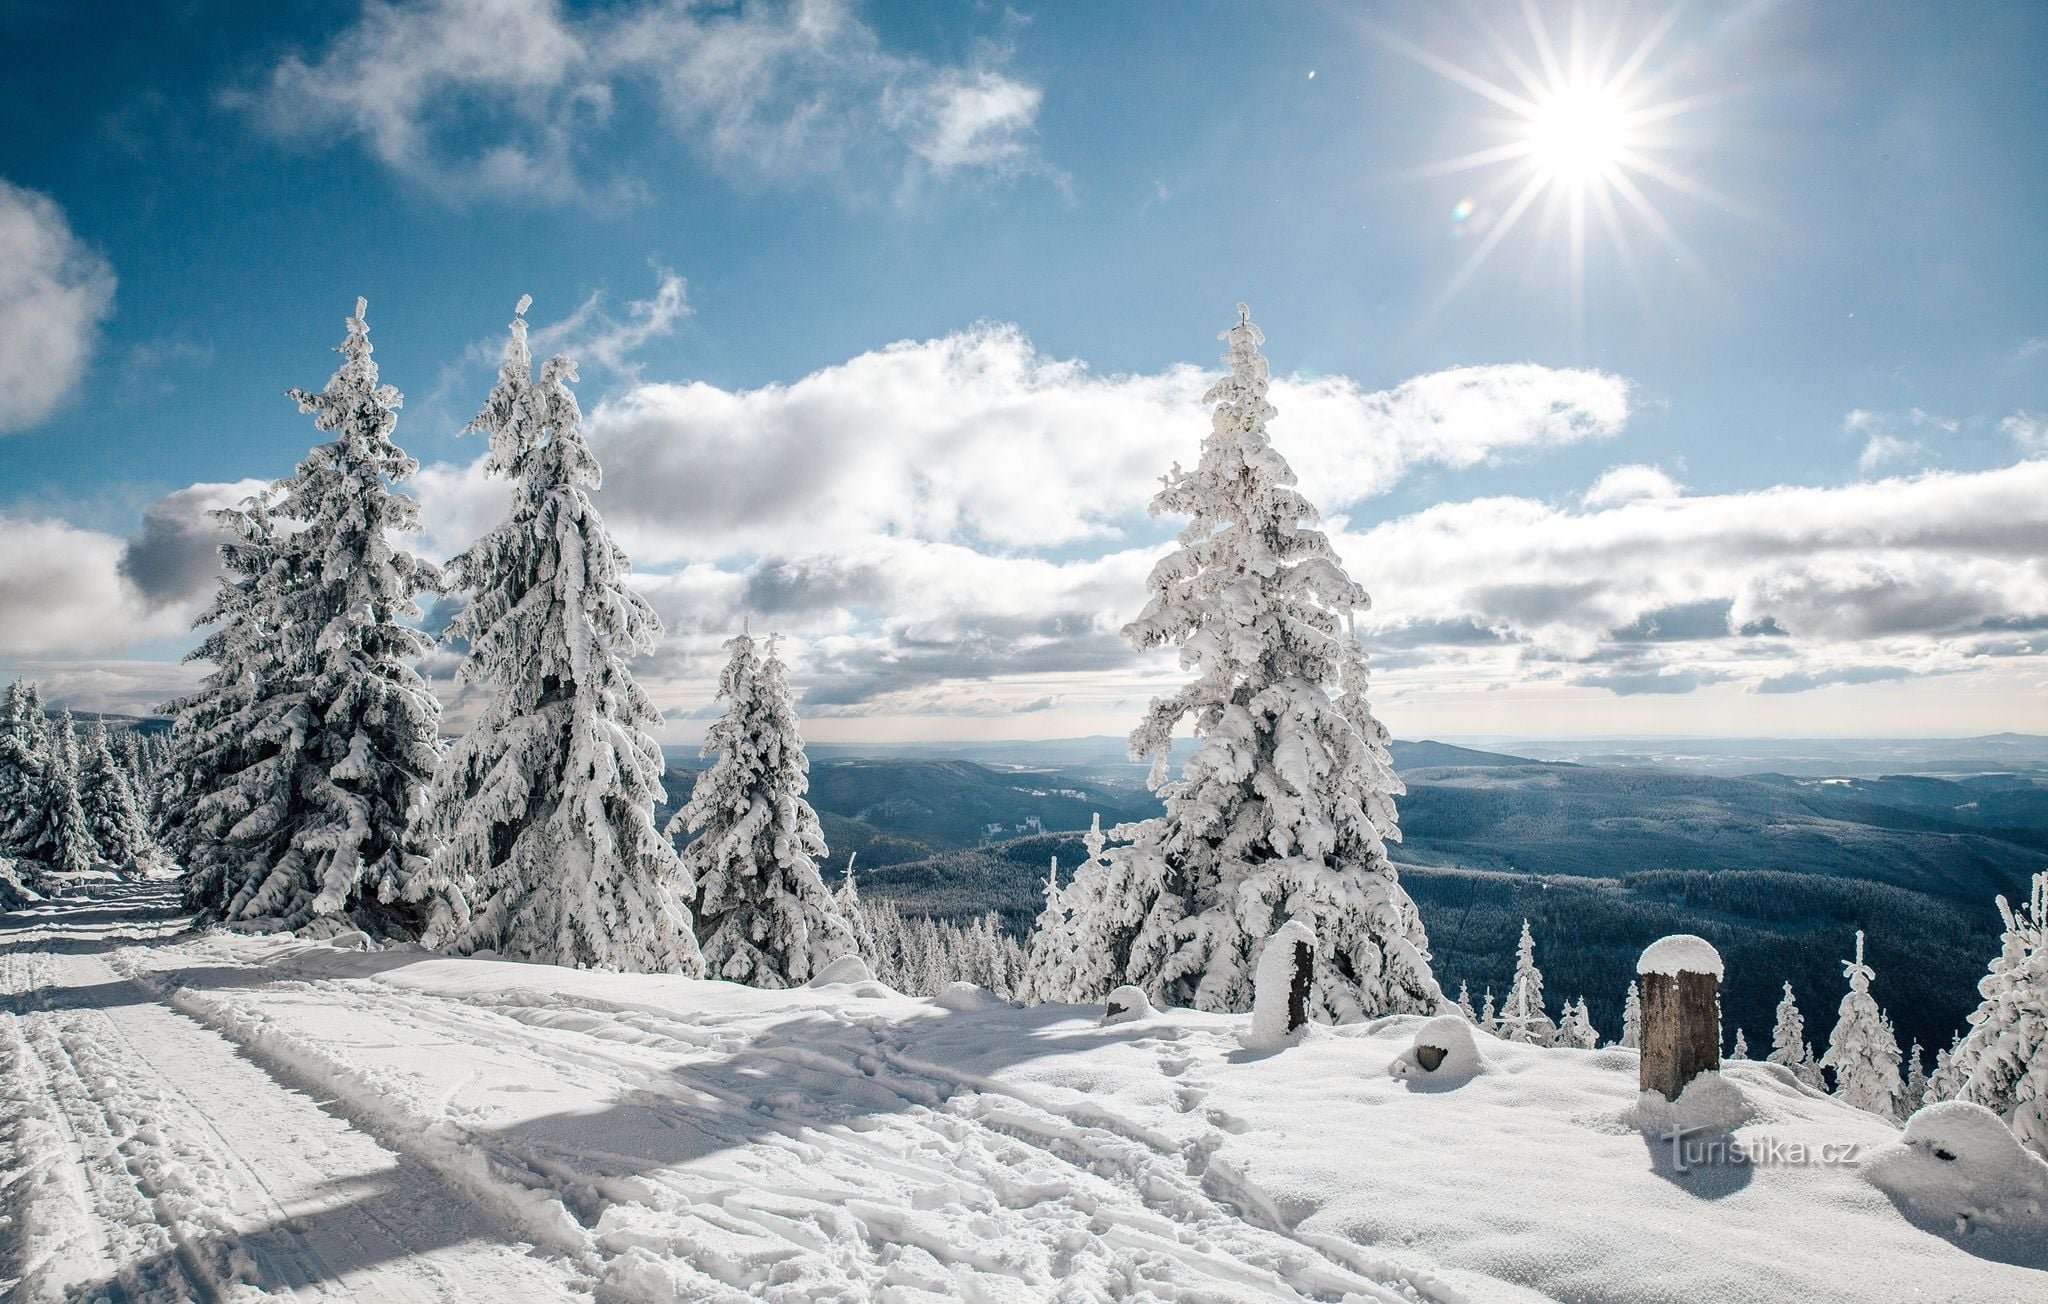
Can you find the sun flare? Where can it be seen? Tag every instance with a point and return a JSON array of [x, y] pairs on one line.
[[1588, 131]]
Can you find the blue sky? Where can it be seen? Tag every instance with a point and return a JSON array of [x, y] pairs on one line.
[[889, 314]]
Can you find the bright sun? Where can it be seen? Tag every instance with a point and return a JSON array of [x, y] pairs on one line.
[[1578, 134], [1583, 128]]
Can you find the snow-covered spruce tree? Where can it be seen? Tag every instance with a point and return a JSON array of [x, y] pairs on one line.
[[1049, 951], [66, 840], [544, 811], [1861, 1050], [1576, 1030], [1632, 1018], [1465, 1003], [25, 764], [1521, 1015], [1789, 1046], [344, 728], [847, 901], [107, 798], [2002, 1061], [222, 808], [1947, 1078], [763, 915], [1916, 1079], [1487, 1019], [1740, 1051], [1284, 808]]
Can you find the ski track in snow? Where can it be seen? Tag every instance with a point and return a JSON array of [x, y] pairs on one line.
[[818, 1160], [147, 1159]]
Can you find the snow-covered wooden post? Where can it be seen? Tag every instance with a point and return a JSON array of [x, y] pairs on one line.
[[1681, 978], [1280, 986]]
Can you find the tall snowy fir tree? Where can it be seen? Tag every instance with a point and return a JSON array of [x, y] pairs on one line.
[[2002, 1061], [544, 811], [1522, 1017], [1575, 1027], [1049, 954], [846, 899], [1632, 1018], [220, 813], [1285, 807], [107, 797], [65, 837], [1789, 1046], [1916, 1080], [763, 915], [1861, 1050], [345, 730], [26, 760], [1465, 1004]]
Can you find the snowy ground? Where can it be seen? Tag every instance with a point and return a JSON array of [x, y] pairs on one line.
[[216, 1117]]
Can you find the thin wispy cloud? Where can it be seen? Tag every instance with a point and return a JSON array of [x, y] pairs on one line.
[[504, 98]]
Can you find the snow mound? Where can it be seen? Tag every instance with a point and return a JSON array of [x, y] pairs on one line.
[[846, 969], [1710, 1102], [1127, 1003], [967, 996], [1680, 953], [1272, 986], [1959, 1172], [1442, 1054]]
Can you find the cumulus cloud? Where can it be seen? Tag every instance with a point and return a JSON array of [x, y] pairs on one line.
[[1626, 484], [978, 436], [500, 96], [1881, 449], [175, 558], [55, 290], [1926, 560], [1802, 681]]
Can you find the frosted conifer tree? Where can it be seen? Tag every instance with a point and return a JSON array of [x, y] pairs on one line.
[[2002, 1061], [26, 760], [1741, 1048], [763, 915], [544, 811], [1577, 1029], [1861, 1050], [847, 899], [1487, 1020], [1632, 1019], [1947, 1079], [112, 816], [344, 730], [1286, 805], [1916, 1079], [1465, 1004], [1049, 953], [233, 743], [1789, 1046], [67, 840], [1521, 1015]]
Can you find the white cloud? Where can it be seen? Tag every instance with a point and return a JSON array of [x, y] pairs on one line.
[[55, 290], [963, 119], [505, 96], [62, 590], [1627, 484], [1921, 559], [977, 436], [2029, 430], [1883, 449]]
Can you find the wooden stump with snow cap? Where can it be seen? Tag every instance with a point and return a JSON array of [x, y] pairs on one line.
[[1681, 1036], [1280, 987]]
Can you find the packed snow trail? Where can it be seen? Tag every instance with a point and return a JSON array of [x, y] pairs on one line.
[[148, 1159], [216, 1115]]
